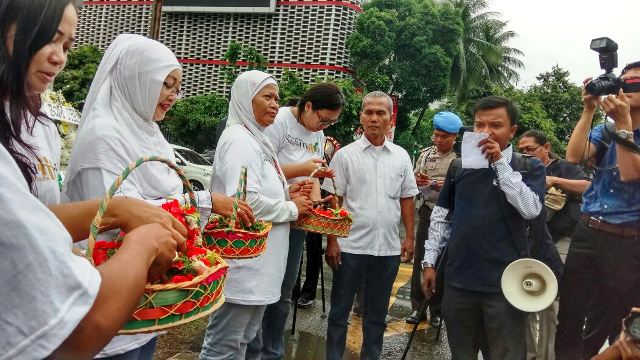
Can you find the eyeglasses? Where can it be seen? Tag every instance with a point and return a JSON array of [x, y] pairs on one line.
[[172, 89], [527, 150], [325, 122]]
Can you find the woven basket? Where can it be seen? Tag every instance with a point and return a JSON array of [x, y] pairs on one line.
[[228, 240], [323, 224], [167, 305]]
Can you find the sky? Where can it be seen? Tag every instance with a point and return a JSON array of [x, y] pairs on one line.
[[559, 32]]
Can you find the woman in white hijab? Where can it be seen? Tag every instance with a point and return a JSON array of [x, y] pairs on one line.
[[252, 284], [137, 82]]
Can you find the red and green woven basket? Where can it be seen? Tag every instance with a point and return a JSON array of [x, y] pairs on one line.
[[229, 238], [328, 222], [167, 305]]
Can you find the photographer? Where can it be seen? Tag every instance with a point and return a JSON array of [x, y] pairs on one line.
[[627, 347], [602, 269]]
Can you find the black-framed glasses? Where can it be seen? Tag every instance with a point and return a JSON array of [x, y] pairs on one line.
[[325, 122], [172, 89], [527, 150]]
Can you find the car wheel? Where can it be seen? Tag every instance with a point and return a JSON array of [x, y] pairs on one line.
[[196, 185]]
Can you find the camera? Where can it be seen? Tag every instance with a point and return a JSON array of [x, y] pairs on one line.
[[632, 326], [607, 83]]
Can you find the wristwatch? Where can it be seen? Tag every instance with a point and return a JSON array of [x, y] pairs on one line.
[[426, 265], [625, 135]]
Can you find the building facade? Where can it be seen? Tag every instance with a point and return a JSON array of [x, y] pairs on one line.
[[307, 36]]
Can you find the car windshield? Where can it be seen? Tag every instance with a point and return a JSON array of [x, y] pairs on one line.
[[192, 157]]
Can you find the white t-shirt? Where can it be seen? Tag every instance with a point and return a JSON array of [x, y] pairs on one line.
[[255, 281], [46, 289], [372, 180], [46, 142], [292, 142]]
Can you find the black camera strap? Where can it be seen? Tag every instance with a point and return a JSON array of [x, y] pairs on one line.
[[631, 85], [610, 131]]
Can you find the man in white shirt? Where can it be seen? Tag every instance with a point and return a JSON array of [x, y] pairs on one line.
[[374, 181]]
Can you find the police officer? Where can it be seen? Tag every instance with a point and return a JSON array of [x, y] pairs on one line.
[[430, 171]]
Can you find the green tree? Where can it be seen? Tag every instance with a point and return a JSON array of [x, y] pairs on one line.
[[238, 55], [483, 52], [405, 48], [291, 85], [192, 121], [349, 122], [533, 115], [561, 99], [75, 80]]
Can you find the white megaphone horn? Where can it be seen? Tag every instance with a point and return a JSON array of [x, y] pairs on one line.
[[529, 285]]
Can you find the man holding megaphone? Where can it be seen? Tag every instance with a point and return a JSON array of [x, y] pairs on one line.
[[481, 218]]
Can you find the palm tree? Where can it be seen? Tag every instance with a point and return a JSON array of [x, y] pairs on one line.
[[504, 71], [483, 51]]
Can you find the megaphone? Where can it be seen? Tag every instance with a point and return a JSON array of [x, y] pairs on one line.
[[529, 285]]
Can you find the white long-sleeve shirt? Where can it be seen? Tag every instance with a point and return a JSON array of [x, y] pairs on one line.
[[255, 281]]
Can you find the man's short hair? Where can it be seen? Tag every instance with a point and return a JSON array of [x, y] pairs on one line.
[[497, 102], [633, 65], [378, 95]]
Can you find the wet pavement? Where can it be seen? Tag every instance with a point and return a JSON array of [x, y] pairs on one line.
[[311, 326], [308, 341]]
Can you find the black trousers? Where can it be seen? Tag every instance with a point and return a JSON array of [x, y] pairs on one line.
[[417, 296], [601, 283], [313, 244], [479, 320]]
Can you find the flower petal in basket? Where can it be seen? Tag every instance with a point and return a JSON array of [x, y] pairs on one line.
[[167, 305], [325, 221]]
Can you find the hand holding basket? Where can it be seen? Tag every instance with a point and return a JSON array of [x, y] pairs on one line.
[[327, 221], [228, 236], [167, 305]]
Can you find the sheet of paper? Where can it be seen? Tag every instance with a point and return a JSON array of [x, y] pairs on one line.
[[472, 156]]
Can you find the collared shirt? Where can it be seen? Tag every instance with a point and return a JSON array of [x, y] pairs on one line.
[[435, 165], [608, 198], [372, 180], [518, 194]]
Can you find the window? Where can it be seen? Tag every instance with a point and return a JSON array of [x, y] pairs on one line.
[[192, 157]]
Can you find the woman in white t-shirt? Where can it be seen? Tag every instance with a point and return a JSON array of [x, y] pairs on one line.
[[55, 303], [298, 140], [252, 284], [46, 143], [137, 82]]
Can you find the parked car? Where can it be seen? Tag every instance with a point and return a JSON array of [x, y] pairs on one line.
[[196, 168], [209, 155]]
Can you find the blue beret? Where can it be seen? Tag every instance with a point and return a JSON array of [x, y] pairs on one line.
[[447, 121]]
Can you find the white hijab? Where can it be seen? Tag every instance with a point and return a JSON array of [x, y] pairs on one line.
[[117, 125], [244, 89]]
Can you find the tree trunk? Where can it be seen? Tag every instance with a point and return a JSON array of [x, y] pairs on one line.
[[155, 19], [417, 125]]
